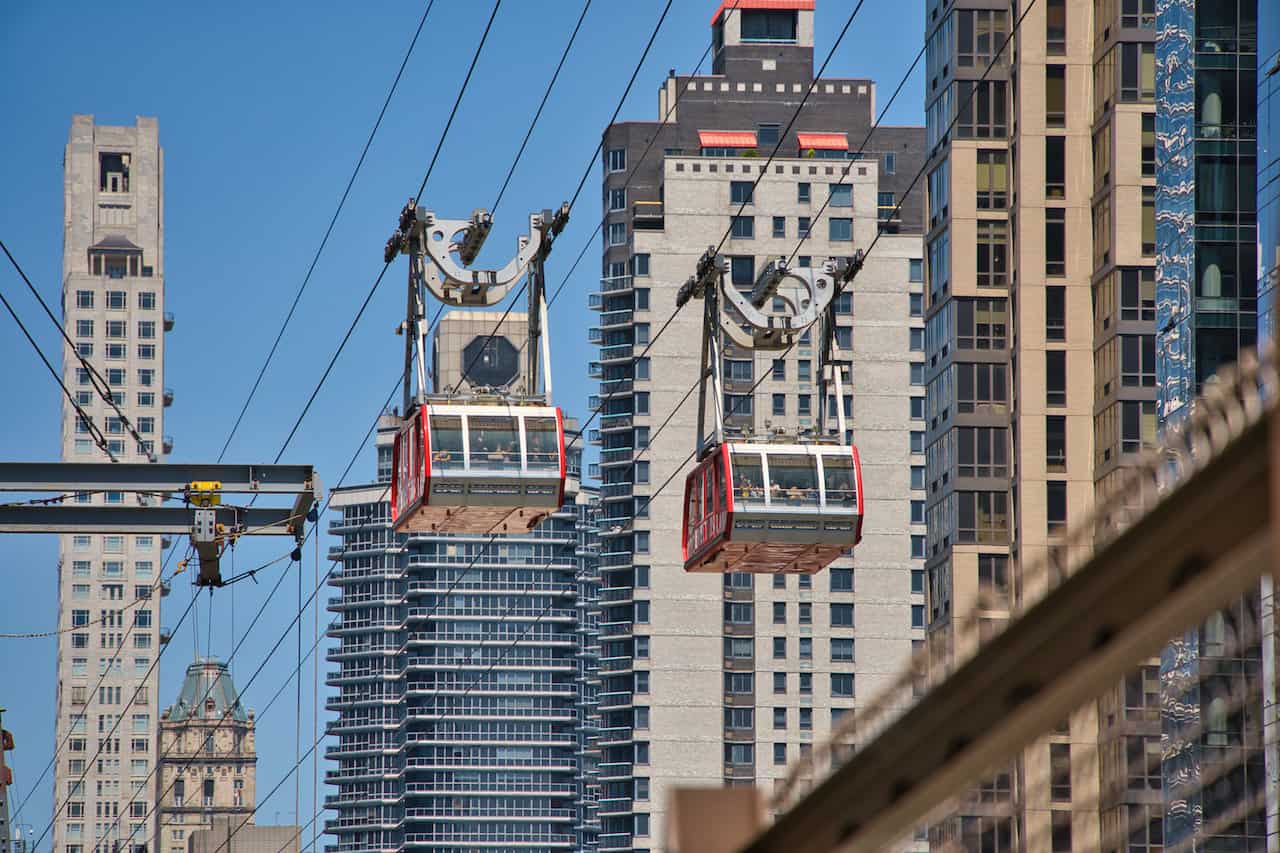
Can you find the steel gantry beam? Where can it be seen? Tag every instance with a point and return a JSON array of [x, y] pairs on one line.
[[211, 522]]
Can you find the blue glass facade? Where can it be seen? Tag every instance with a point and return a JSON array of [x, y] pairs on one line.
[[466, 688], [1207, 311], [1268, 165]]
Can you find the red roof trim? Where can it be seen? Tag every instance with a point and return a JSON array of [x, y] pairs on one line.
[[824, 141], [727, 138], [730, 5]]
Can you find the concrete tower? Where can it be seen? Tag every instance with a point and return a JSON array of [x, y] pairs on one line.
[[708, 680], [108, 601]]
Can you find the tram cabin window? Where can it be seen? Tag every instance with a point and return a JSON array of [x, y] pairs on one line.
[[793, 480], [837, 473], [543, 445], [748, 477], [495, 442], [446, 442]]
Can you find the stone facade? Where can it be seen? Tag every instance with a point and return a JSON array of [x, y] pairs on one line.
[[226, 835], [108, 585], [209, 765]]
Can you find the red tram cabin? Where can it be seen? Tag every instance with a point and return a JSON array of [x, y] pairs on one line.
[[770, 508], [472, 468]]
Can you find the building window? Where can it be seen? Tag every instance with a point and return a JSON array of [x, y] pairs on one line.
[[1138, 72], [779, 226], [84, 298], [617, 233], [1055, 452], [113, 172], [1060, 772], [917, 616], [616, 159], [1061, 832], [983, 109], [1055, 369], [992, 179], [806, 684], [806, 648], [842, 650], [802, 228], [841, 615], [1056, 28], [841, 580], [779, 404], [993, 253], [1055, 167], [742, 227], [768, 25], [917, 408], [915, 340], [1056, 506], [1055, 241], [146, 300], [1055, 313], [890, 163], [841, 195], [1055, 95], [979, 35], [1138, 361], [804, 403], [741, 192], [618, 198], [983, 517], [803, 193], [1148, 145], [840, 229], [842, 684]]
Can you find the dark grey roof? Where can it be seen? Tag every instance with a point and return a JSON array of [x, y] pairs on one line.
[[116, 243], [208, 680]]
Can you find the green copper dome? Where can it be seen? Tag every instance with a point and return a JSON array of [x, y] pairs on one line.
[[207, 693]]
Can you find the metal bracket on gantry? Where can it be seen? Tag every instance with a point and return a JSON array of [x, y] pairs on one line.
[[211, 523], [441, 252], [807, 295]]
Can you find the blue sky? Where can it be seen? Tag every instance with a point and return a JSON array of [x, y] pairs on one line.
[[263, 110]]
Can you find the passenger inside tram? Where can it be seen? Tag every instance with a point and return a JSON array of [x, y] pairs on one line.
[[748, 478], [793, 480], [838, 477], [446, 441], [493, 443], [543, 444]]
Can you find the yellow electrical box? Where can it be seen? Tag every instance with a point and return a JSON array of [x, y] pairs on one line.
[[205, 492]]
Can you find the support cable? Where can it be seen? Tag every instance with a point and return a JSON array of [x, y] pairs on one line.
[[327, 232]]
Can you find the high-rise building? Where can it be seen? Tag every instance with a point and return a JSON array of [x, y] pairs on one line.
[[708, 680], [209, 759], [1041, 371], [465, 690], [230, 835], [1207, 206], [113, 308], [1268, 166]]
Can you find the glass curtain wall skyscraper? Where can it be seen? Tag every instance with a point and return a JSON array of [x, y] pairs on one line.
[[1207, 313], [465, 693]]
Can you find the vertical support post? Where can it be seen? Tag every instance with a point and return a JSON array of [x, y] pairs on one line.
[[6, 780], [717, 353], [708, 319], [539, 345]]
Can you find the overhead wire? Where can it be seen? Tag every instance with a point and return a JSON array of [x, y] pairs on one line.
[[387, 264], [103, 741], [106, 669], [83, 417], [591, 161], [100, 385], [324, 240], [145, 787]]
